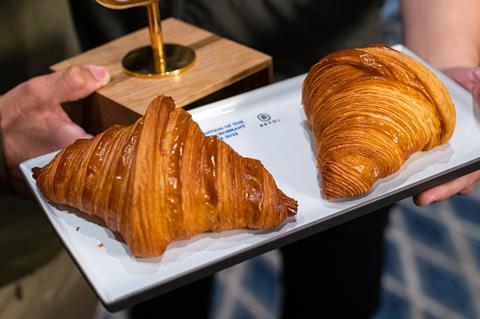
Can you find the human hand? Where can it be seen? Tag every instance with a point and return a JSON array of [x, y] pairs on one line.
[[32, 120], [469, 78]]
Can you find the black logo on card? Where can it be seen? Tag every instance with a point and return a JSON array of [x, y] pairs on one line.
[[264, 117]]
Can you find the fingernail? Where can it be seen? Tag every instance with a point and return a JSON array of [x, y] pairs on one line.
[[100, 73]]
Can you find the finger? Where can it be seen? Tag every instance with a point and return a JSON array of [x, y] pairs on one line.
[[467, 189], [444, 191], [429, 196], [74, 132], [473, 178], [440, 192], [67, 134], [76, 82], [466, 76]]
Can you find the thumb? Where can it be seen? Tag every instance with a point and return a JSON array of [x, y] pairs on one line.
[[76, 82], [468, 77]]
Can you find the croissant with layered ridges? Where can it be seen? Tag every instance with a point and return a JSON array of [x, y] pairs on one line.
[[370, 109], [161, 179]]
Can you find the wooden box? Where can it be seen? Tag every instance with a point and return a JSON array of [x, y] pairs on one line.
[[222, 68]]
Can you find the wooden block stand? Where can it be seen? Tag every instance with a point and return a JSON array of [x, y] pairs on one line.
[[222, 68]]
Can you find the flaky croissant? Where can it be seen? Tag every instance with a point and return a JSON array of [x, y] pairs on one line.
[[161, 179], [369, 110]]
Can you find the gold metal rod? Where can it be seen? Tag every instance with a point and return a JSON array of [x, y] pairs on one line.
[[157, 59], [123, 4], [156, 37]]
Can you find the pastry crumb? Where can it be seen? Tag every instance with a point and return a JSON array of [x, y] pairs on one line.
[[78, 228], [100, 245]]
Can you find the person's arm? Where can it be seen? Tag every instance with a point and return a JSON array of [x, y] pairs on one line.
[[447, 34], [444, 32]]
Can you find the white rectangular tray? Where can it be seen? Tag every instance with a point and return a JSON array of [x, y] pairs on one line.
[[267, 124]]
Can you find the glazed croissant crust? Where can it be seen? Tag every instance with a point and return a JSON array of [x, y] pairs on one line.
[[369, 110], [161, 179]]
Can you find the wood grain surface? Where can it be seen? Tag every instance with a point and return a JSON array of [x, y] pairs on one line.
[[219, 63]]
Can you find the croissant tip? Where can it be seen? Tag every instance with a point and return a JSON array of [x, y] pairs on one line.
[[290, 203], [292, 210], [36, 171]]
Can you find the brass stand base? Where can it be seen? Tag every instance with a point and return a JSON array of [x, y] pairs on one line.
[[139, 62]]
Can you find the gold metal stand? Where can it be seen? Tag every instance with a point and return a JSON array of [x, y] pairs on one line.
[[158, 59]]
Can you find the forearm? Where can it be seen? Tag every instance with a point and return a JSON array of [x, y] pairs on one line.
[[444, 32]]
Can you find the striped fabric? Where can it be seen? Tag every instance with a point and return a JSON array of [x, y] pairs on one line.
[[432, 268]]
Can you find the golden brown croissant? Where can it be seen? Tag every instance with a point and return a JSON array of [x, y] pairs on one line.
[[161, 179], [369, 110]]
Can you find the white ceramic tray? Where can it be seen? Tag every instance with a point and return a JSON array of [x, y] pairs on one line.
[[267, 124]]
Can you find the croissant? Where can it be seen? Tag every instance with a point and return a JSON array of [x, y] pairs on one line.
[[370, 109], [161, 179]]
